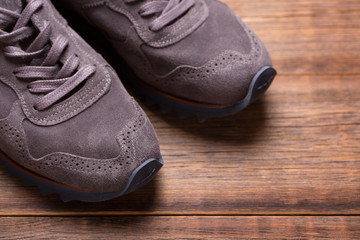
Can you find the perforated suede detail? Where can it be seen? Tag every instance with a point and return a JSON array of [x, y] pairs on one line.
[[230, 72], [212, 67], [14, 138], [107, 169], [76, 142], [126, 138]]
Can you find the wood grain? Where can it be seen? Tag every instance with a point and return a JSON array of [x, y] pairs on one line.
[[306, 36], [286, 168], [294, 152], [181, 228]]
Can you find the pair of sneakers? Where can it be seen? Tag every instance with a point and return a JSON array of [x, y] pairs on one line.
[[67, 124]]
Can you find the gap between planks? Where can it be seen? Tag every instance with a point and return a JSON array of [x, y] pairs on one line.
[[164, 214]]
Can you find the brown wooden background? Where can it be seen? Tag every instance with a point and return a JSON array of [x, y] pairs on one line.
[[288, 167]]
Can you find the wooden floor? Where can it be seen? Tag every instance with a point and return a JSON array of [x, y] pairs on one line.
[[287, 167]]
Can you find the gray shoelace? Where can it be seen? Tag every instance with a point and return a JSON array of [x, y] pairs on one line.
[[169, 11], [43, 70]]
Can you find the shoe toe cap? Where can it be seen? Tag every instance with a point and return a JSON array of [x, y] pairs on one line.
[[223, 81], [138, 161]]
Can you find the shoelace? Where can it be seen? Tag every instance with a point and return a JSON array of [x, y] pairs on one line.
[[169, 11], [45, 75]]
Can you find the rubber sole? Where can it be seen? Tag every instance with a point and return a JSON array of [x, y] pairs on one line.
[[140, 177], [259, 84]]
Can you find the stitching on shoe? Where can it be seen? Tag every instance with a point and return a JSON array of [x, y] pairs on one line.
[[174, 75], [29, 161], [74, 101], [161, 41], [143, 34], [94, 3], [26, 109]]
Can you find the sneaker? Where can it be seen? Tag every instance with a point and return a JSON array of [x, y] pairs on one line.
[[67, 125], [195, 56]]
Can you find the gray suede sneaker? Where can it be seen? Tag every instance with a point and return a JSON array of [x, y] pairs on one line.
[[67, 125], [195, 56]]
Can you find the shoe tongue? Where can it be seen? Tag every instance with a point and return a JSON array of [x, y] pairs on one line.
[[13, 5]]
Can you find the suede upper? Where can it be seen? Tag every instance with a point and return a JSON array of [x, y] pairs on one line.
[[211, 62], [93, 139]]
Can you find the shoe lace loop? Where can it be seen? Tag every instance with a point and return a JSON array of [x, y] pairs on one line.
[[45, 75], [169, 11]]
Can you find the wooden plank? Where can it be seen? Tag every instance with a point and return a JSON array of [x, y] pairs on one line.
[[191, 227], [306, 37], [296, 151]]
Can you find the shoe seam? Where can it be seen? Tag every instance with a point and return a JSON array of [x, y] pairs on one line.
[[142, 34], [73, 102]]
